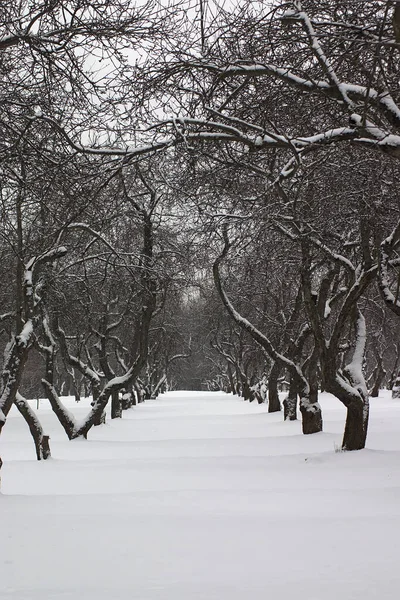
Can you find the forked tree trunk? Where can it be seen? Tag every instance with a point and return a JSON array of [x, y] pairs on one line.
[[13, 368], [18, 350], [66, 419]]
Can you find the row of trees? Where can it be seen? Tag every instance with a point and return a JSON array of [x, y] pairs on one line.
[[151, 154]]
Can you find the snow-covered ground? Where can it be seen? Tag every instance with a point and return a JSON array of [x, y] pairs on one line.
[[201, 496]]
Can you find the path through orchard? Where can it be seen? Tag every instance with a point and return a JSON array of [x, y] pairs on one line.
[[200, 496]]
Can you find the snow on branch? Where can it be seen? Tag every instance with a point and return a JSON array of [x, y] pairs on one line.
[[182, 132], [385, 252], [354, 370], [321, 57]]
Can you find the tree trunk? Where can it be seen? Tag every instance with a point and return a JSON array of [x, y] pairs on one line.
[[377, 383], [139, 392], [274, 404], [77, 395], [311, 413], [356, 402], [246, 391], [64, 416], [126, 400], [231, 386], [159, 386], [100, 419], [135, 394], [311, 417], [40, 440], [238, 387], [378, 376], [290, 402], [396, 387], [355, 432], [116, 408]]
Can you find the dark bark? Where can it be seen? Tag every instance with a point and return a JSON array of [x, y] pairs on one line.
[[41, 441], [394, 371], [63, 416], [87, 372], [348, 384], [138, 393], [311, 412], [355, 432], [356, 427], [127, 400], [116, 407], [290, 402], [12, 374], [379, 373], [396, 387], [231, 385], [247, 392], [100, 418], [274, 404], [379, 376], [311, 418], [259, 399], [17, 355], [77, 395], [105, 328]]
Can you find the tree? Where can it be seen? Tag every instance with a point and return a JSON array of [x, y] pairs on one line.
[[311, 411]]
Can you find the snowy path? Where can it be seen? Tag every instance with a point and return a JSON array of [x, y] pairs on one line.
[[202, 496]]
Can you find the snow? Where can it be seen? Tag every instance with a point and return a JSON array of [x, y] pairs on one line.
[[201, 496], [26, 333], [355, 368]]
